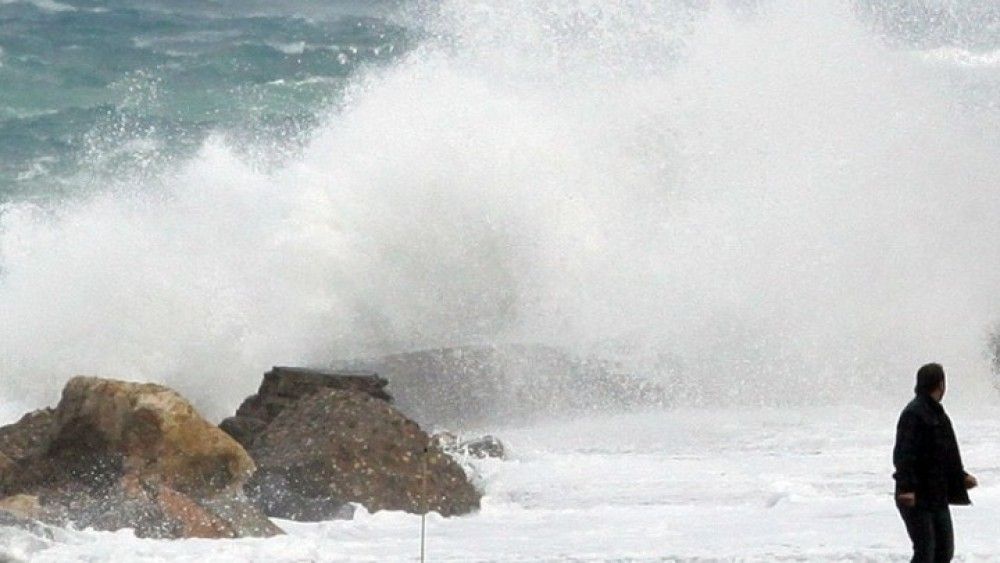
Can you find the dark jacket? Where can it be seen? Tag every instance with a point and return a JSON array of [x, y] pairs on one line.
[[926, 456]]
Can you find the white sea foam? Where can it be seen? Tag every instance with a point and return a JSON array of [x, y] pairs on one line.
[[717, 199], [721, 485], [293, 48], [46, 5], [964, 57]]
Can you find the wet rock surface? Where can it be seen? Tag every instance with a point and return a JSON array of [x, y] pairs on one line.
[[116, 454], [151, 431], [284, 386], [482, 448], [284, 494], [477, 448], [27, 437], [344, 445]]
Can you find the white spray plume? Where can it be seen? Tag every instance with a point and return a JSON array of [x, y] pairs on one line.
[[718, 200]]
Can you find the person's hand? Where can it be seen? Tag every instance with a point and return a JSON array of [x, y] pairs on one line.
[[909, 500], [971, 482]]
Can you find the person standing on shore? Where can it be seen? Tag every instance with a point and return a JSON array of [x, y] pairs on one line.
[[929, 472]]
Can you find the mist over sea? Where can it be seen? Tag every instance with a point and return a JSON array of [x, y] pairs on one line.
[[714, 194]]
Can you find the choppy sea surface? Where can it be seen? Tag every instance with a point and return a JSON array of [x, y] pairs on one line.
[[105, 87]]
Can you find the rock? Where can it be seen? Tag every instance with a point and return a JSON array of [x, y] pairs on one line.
[[487, 446], [24, 439], [149, 431], [156, 511], [27, 436], [113, 507], [280, 498], [6, 464], [190, 519], [116, 454], [22, 506], [243, 517], [283, 386], [295, 383], [446, 441], [479, 448], [482, 385], [338, 445], [243, 429]]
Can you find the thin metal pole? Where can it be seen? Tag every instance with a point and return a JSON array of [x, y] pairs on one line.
[[423, 499], [423, 535]]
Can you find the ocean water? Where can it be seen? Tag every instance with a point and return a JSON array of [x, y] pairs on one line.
[[760, 205], [106, 88]]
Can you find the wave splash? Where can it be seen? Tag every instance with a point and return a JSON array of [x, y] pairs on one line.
[[716, 199]]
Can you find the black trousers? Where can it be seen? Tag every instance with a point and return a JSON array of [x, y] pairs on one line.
[[931, 533]]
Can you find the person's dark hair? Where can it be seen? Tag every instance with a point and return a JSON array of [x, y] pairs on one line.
[[929, 378]]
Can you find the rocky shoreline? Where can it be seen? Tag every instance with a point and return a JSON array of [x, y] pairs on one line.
[[115, 454], [310, 445]]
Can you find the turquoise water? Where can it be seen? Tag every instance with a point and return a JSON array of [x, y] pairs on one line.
[[90, 87], [98, 89]]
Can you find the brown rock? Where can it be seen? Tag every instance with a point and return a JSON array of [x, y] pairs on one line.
[[349, 446], [5, 465], [116, 454], [244, 518], [192, 519], [24, 439], [27, 436], [151, 431], [284, 386]]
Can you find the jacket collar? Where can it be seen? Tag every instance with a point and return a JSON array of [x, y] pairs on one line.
[[930, 402]]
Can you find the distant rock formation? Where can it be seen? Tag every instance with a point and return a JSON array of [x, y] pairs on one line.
[[322, 439], [115, 454], [481, 385]]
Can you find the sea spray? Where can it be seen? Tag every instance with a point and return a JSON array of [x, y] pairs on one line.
[[753, 206]]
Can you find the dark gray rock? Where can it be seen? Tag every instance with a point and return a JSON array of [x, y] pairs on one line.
[[283, 494], [482, 448], [243, 429], [473, 386]]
